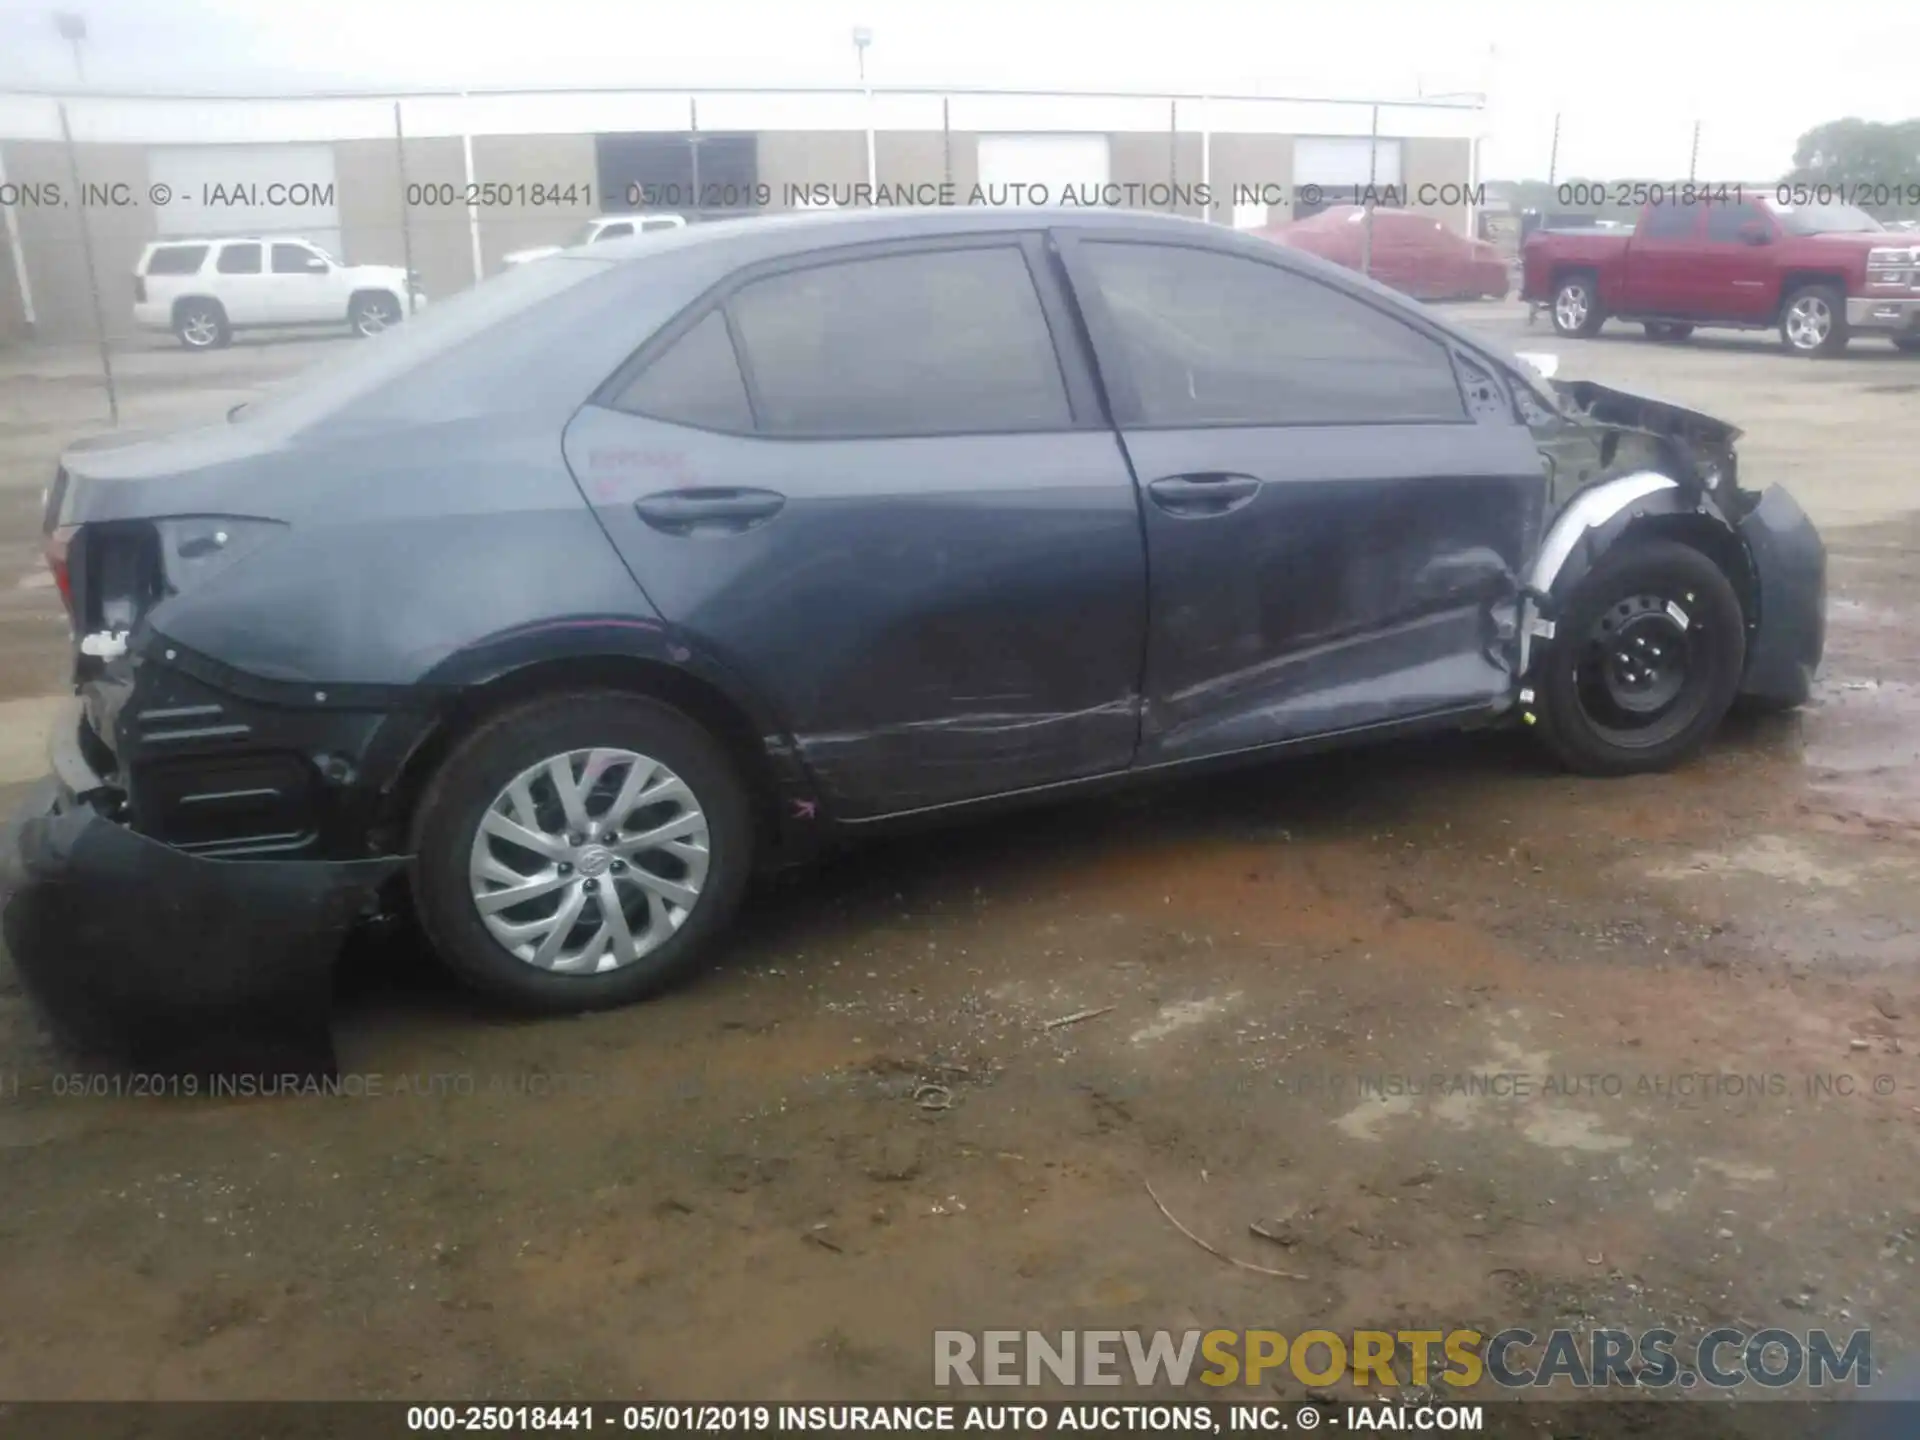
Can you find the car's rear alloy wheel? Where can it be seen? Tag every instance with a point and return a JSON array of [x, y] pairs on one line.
[[581, 853], [588, 861], [1645, 661], [374, 313]]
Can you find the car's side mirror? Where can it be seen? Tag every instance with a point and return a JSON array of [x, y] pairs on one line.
[[316, 266], [1754, 233]]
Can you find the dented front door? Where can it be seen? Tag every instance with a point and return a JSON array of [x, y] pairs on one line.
[[1335, 513]]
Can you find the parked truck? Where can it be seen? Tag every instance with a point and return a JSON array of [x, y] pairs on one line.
[[1822, 274]]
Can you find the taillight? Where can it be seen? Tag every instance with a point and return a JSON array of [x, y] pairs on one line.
[[57, 547]]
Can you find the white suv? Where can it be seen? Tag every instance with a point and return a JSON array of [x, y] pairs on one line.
[[602, 227], [204, 290]]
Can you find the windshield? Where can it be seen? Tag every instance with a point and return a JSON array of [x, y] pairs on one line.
[[1825, 219], [584, 234]]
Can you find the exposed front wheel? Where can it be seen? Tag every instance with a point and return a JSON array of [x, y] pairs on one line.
[[1644, 663], [373, 313], [201, 324], [581, 852], [1814, 321], [1576, 306]]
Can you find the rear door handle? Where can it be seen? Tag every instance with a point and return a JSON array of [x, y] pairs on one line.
[[681, 512], [1203, 493]]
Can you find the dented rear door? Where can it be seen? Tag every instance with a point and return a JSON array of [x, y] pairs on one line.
[[869, 486]]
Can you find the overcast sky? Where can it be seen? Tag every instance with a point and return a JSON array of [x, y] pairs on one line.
[[1629, 79]]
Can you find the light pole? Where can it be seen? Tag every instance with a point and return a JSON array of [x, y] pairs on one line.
[[862, 38], [73, 30]]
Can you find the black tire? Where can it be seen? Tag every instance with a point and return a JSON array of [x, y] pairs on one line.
[[1575, 306], [201, 324], [1801, 341], [1666, 332], [478, 771], [1586, 701], [1907, 344], [373, 312]]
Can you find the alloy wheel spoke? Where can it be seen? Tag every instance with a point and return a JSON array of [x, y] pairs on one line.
[[681, 827], [514, 833], [563, 922], [530, 889]]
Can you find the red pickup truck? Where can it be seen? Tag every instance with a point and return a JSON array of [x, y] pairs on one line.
[[1821, 273]]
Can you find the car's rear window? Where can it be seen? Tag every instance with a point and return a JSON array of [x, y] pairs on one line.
[[364, 369], [176, 260]]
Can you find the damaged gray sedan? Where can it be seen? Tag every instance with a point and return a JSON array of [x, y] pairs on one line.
[[560, 610]]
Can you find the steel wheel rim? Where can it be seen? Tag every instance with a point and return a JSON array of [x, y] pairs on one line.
[[1570, 308], [200, 328], [1634, 679], [589, 861], [1809, 322]]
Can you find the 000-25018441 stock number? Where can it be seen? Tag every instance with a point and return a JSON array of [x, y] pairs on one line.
[[490, 194]]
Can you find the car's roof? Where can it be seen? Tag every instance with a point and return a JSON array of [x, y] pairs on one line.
[[796, 232]]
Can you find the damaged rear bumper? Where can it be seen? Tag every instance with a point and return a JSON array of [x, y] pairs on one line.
[[152, 957]]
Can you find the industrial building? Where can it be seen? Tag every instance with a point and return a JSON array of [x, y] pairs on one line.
[[449, 183]]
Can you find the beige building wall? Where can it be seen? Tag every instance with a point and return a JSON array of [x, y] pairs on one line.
[[1442, 166], [370, 195], [51, 240], [370, 191], [520, 163]]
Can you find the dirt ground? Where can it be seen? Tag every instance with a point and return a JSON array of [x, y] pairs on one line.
[[860, 1127]]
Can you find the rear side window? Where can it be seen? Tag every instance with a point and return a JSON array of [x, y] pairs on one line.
[[176, 260], [1669, 222], [929, 343], [696, 381], [1215, 339], [239, 260]]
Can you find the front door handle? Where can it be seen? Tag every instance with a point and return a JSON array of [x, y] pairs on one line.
[[1203, 493], [682, 512]]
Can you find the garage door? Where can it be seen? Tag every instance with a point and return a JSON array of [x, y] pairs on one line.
[[1045, 165], [249, 190], [1339, 166]]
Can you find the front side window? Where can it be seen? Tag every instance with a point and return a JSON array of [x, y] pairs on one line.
[[239, 260], [928, 343], [1210, 338], [1726, 222], [296, 260], [695, 381]]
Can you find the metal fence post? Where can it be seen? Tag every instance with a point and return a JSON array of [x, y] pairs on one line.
[[1373, 163], [946, 137], [1173, 156], [93, 274], [693, 151], [406, 223]]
